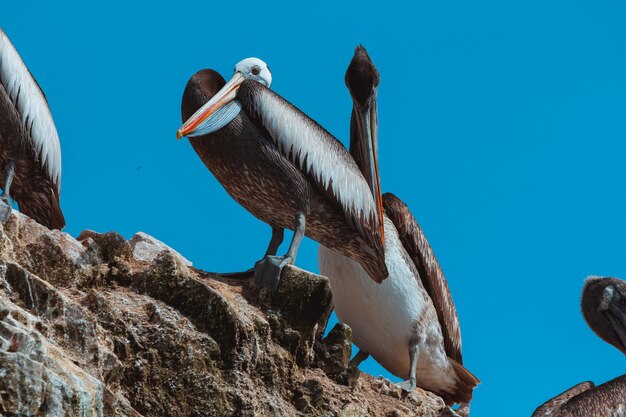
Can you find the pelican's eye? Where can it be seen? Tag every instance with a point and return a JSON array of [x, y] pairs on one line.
[[256, 70]]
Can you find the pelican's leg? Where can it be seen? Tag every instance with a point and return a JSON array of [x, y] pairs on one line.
[[278, 234], [267, 271], [5, 204], [409, 383], [358, 358]]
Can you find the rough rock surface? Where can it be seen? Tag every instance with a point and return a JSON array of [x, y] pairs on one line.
[[95, 326], [147, 248]]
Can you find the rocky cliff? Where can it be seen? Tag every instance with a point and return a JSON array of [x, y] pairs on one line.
[[102, 326]]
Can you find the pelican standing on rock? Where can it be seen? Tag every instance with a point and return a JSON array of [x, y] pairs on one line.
[[30, 153], [282, 167], [604, 308], [408, 323]]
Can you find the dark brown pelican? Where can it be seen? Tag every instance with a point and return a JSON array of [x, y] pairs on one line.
[[604, 308], [282, 167], [30, 153], [408, 323]]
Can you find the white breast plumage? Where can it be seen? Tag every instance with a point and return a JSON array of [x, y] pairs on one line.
[[383, 317]]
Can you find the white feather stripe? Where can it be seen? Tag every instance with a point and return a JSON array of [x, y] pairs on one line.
[[316, 151], [33, 108]]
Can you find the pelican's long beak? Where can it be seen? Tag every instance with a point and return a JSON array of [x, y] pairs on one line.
[[226, 95], [367, 125], [617, 316]]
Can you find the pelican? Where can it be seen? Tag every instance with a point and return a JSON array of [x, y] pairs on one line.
[[408, 323], [282, 167], [30, 152], [604, 308]]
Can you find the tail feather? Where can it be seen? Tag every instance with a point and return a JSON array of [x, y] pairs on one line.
[[43, 207], [57, 220], [465, 386]]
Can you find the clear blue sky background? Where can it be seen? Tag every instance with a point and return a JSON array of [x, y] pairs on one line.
[[502, 125]]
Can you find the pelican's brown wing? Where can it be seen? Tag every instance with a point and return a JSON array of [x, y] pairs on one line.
[[322, 159], [418, 248], [26, 125], [32, 106]]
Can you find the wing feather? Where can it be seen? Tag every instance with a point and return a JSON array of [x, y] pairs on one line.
[[418, 248], [32, 106], [319, 155]]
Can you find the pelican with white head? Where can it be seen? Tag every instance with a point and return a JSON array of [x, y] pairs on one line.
[[224, 106]]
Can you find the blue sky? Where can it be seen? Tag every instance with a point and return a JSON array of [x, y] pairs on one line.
[[502, 125]]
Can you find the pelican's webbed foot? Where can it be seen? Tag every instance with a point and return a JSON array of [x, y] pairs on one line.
[[5, 203], [267, 271], [407, 385]]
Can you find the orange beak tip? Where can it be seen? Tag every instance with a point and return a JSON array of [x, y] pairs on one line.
[[179, 134]]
